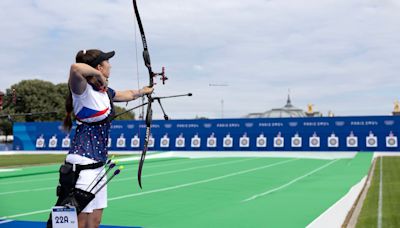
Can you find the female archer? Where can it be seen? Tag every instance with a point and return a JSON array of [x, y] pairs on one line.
[[91, 101]]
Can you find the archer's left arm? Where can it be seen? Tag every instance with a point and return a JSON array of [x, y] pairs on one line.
[[129, 95]]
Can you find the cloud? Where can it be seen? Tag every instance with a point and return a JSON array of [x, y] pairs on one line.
[[339, 55]]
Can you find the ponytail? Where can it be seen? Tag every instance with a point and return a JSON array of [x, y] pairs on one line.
[[67, 125]]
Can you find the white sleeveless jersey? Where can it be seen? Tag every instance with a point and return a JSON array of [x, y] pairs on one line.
[[91, 105]]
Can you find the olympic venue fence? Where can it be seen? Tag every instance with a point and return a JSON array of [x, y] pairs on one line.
[[355, 133]]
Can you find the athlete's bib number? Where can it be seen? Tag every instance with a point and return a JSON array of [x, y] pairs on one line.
[[63, 217]]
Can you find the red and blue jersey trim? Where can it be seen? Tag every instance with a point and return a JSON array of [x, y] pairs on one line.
[[86, 113]]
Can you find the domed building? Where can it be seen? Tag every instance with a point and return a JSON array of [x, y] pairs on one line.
[[286, 111]]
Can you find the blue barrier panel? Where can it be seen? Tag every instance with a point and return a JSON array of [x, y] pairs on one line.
[[358, 133]]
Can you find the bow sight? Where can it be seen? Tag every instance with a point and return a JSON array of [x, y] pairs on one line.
[[163, 78]]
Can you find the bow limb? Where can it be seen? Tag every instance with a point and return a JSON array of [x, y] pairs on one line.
[[149, 114]]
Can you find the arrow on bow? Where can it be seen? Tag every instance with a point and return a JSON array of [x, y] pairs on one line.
[[154, 99], [149, 113]]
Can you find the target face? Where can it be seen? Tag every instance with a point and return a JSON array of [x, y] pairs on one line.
[[121, 142], [227, 142], [244, 142], [135, 142], [151, 142], [391, 142], [164, 142], [40, 143], [261, 142], [314, 142], [351, 142], [371, 141], [53, 143], [180, 142], [66, 143], [196, 142], [278, 142], [333, 141], [296, 142], [211, 142]]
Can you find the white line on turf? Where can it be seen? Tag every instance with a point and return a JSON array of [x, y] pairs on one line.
[[169, 188], [131, 178], [9, 170], [56, 178], [201, 181], [289, 183], [25, 214], [187, 169], [380, 202], [27, 181], [27, 190]]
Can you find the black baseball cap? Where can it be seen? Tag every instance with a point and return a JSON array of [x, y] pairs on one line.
[[93, 57], [103, 56]]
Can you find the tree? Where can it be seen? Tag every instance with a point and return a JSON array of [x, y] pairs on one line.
[[38, 96]]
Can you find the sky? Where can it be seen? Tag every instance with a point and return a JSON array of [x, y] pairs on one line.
[[236, 57]]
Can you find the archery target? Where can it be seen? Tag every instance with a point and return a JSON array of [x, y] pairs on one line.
[[228, 141], [164, 142], [120, 142], [278, 142], [244, 141], [195, 142], [314, 141], [40, 142], [135, 142], [261, 141], [333, 141], [211, 142], [391, 141], [180, 142], [53, 142], [296, 141], [66, 142], [351, 141], [151, 142], [372, 141]]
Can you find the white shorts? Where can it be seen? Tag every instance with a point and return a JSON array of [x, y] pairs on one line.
[[90, 177]]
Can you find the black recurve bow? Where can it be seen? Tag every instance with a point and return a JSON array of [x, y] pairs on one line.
[[149, 114]]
